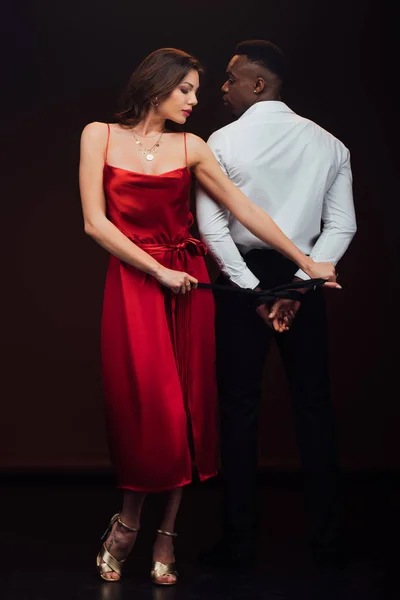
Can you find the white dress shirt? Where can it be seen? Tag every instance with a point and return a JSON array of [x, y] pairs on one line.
[[296, 171]]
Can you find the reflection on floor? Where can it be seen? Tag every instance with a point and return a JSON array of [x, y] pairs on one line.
[[51, 526]]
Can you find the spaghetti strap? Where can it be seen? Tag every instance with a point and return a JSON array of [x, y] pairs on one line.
[[108, 140], [186, 158]]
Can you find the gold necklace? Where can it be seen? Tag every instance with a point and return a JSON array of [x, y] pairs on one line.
[[148, 153], [146, 137]]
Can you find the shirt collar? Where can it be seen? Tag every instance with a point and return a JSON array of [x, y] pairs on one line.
[[267, 106]]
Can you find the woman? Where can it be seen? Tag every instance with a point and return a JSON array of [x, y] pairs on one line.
[[158, 346]]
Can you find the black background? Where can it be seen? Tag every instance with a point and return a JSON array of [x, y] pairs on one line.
[[64, 65]]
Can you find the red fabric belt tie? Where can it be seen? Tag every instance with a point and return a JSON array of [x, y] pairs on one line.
[[189, 244]]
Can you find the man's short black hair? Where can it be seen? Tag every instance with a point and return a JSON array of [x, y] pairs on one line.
[[266, 54]]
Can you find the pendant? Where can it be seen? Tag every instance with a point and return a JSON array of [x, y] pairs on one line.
[[149, 157]]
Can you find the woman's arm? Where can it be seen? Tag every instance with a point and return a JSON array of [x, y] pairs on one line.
[[100, 228], [256, 220]]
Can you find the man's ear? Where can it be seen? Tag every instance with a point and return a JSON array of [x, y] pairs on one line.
[[259, 85]]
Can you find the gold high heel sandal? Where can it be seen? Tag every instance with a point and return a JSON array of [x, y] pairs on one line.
[[159, 569], [106, 562]]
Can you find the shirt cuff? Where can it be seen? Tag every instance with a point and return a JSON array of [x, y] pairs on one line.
[[245, 280], [301, 275]]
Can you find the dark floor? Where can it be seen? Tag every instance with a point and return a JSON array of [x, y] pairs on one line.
[[51, 527]]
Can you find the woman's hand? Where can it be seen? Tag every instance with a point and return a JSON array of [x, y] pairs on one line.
[[177, 281], [322, 270]]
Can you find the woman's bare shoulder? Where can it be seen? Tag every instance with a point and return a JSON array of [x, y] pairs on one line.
[[196, 146], [195, 140], [95, 131]]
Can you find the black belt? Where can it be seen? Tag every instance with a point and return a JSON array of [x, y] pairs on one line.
[[287, 290]]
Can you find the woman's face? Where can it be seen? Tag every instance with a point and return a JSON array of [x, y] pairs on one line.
[[178, 105]]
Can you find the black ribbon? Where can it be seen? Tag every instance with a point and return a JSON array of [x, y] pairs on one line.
[[287, 290]]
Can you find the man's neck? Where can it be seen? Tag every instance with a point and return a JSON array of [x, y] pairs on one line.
[[263, 99], [268, 97]]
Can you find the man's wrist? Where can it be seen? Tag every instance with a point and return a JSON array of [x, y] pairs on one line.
[[301, 290], [256, 302]]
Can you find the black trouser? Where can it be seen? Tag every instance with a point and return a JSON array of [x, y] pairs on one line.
[[242, 344]]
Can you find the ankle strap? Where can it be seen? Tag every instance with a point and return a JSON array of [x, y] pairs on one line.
[[168, 533], [131, 529]]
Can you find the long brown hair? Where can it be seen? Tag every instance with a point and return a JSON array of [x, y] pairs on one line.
[[156, 77]]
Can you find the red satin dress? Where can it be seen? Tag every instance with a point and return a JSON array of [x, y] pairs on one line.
[[158, 349]]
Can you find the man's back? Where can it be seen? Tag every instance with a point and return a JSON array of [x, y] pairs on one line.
[[293, 169], [284, 163]]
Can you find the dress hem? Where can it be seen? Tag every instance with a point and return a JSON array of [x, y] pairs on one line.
[[133, 488]]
